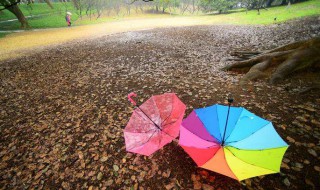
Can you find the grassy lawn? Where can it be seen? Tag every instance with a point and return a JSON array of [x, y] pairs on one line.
[[45, 17], [282, 13], [38, 9], [3, 34], [40, 16]]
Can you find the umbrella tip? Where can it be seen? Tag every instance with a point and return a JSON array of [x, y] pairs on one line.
[[230, 99]]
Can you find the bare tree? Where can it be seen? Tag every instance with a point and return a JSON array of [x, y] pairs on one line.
[[184, 6]]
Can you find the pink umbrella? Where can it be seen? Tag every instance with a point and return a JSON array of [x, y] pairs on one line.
[[153, 124]]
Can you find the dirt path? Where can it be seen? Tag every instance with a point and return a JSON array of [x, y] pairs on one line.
[[62, 113], [19, 44]]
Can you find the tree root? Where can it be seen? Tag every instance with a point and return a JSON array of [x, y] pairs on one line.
[[278, 63], [307, 89]]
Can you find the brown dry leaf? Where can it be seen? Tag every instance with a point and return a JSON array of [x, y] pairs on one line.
[[197, 185], [80, 155], [91, 173], [80, 174], [104, 158], [207, 187], [65, 185], [38, 175], [309, 182], [66, 106], [170, 186], [290, 139], [204, 174]]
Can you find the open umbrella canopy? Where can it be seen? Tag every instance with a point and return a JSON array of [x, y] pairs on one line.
[[232, 141], [154, 124]]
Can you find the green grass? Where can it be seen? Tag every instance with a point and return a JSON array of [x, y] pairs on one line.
[[45, 17], [282, 13], [37, 9], [3, 34]]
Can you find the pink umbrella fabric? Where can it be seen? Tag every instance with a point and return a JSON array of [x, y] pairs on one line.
[[154, 124]]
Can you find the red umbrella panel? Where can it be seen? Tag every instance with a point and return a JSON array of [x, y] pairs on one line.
[[154, 124]]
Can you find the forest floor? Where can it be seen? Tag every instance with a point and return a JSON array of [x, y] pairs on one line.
[[62, 109]]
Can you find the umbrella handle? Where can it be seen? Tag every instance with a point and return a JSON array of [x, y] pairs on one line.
[[132, 94]]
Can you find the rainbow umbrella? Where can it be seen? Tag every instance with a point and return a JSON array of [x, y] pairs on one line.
[[232, 141], [153, 124]]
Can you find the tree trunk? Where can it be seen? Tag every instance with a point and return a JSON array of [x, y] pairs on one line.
[[193, 7], [49, 3], [283, 2], [76, 4], [17, 12], [269, 2]]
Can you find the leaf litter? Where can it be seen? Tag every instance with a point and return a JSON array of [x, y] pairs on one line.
[[63, 110]]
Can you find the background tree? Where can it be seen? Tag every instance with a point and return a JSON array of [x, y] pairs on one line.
[[217, 5], [12, 6], [49, 3], [269, 2], [98, 7], [255, 4]]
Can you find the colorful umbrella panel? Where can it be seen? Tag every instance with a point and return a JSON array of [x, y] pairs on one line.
[[241, 147]]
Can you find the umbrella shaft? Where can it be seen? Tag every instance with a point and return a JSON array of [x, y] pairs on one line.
[[225, 128], [148, 117]]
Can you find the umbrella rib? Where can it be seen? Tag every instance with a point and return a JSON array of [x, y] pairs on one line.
[[218, 125], [251, 133], [166, 119], [167, 133], [153, 123], [162, 129], [142, 132], [168, 115], [168, 124], [250, 163], [150, 120], [235, 125], [159, 142], [209, 132], [144, 142], [159, 127], [143, 117], [202, 138], [218, 141]]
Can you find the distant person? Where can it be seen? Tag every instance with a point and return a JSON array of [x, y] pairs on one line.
[[68, 18]]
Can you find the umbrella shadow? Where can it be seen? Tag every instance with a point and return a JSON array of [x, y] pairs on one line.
[[182, 167]]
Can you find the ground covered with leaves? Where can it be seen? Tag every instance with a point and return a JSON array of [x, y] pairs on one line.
[[63, 109]]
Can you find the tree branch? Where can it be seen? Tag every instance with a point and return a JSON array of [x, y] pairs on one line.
[[8, 6], [138, 0]]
